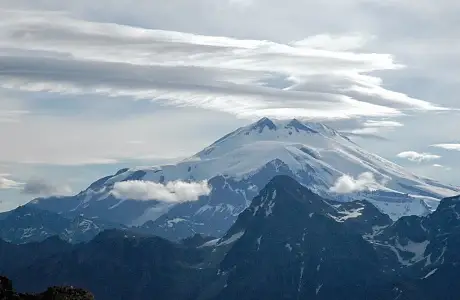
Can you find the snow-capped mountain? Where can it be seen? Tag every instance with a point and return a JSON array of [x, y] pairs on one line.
[[240, 164]]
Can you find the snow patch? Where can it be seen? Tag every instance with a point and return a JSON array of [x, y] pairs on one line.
[[259, 239], [430, 273], [171, 223], [210, 243], [231, 239], [351, 214], [318, 288]]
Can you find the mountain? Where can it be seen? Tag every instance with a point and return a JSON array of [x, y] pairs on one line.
[[114, 265], [240, 164], [293, 244], [8, 293], [27, 224], [290, 243]]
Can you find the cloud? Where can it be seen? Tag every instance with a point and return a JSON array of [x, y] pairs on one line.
[[333, 42], [442, 167], [171, 192], [448, 146], [329, 77], [43, 188], [372, 128], [6, 183], [80, 31], [363, 135], [382, 123], [347, 184], [418, 157]]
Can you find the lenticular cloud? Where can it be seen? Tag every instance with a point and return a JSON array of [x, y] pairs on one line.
[[322, 77]]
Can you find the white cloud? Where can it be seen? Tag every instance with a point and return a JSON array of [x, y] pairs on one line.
[[6, 183], [448, 146], [418, 157], [382, 123], [347, 184], [371, 128], [442, 167], [171, 192], [332, 42]]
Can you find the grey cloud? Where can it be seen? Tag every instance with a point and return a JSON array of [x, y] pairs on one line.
[[40, 187]]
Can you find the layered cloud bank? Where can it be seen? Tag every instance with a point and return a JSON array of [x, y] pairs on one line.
[[171, 192], [323, 76]]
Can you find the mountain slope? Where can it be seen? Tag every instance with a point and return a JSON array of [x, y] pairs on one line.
[[114, 265], [28, 224], [240, 164], [292, 244]]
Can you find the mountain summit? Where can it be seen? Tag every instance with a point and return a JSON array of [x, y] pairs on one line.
[[241, 163]]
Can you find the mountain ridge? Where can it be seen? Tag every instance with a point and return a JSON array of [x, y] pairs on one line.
[[290, 243]]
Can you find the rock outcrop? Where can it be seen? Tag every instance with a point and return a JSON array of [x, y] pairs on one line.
[[53, 293]]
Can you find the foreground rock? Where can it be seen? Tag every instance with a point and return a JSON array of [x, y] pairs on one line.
[[53, 293]]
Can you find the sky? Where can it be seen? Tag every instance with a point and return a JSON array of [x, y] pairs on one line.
[[90, 87]]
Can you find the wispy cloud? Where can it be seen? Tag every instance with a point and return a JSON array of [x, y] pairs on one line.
[[442, 167], [7, 183], [382, 123], [171, 192], [418, 157], [448, 146], [40, 187], [347, 184], [371, 128], [51, 52]]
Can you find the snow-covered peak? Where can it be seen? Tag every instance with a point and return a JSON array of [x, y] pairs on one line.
[[281, 131], [266, 125]]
